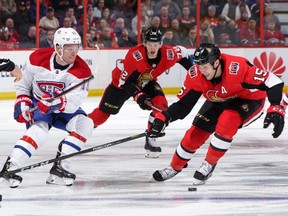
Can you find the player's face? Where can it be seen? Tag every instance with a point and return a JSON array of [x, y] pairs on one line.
[[207, 71], [152, 49], [70, 52]]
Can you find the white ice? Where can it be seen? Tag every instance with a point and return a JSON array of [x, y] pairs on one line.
[[251, 179]]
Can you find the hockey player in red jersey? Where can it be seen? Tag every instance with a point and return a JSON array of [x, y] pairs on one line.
[[136, 76], [47, 73], [8, 66], [235, 93]]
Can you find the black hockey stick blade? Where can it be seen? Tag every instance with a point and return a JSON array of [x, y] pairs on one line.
[[96, 148], [66, 91]]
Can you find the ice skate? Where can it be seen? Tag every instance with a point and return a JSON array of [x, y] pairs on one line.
[[59, 174], [165, 174], [152, 150], [203, 173], [13, 179]]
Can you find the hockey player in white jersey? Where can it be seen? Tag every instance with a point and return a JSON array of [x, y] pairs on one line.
[[47, 73]]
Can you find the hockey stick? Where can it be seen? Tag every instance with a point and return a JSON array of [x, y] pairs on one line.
[[65, 92], [96, 148]]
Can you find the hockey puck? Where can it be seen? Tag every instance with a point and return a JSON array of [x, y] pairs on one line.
[[192, 189]]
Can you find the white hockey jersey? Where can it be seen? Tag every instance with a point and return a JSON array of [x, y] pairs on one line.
[[40, 77]]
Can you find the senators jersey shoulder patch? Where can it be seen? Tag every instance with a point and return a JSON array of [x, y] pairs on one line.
[[137, 55], [234, 68], [193, 71], [170, 54]]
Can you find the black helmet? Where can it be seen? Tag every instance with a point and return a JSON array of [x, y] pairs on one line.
[[206, 53], [153, 35]]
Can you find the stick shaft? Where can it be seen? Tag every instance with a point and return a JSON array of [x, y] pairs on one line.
[[96, 148]]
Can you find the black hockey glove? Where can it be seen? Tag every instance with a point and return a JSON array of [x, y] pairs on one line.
[[6, 65], [160, 122], [130, 86], [275, 114], [143, 100]]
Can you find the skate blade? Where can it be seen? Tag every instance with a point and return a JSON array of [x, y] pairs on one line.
[[56, 180], [13, 183], [150, 154], [197, 182]]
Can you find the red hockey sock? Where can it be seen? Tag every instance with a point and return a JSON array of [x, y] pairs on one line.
[[98, 117]]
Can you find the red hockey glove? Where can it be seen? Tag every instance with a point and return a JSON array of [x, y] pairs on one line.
[[143, 100], [160, 122], [21, 109], [275, 114], [49, 105]]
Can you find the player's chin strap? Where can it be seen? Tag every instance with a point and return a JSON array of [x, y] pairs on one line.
[[215, 69], [96, 148], [61, 56]]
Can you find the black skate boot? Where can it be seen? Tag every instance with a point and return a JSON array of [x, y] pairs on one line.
[[165, 174], [152, 150], [203, 173], [13, 179], [59, 173]]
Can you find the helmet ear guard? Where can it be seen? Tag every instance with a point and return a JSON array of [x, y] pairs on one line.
[[206, 53]]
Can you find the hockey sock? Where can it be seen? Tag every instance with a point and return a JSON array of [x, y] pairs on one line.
[[98, 117]]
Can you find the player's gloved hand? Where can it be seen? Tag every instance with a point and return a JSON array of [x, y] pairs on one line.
[[49, 105], [6, 65], [21, 109], [275, 114], [160, 122], [143, 100]]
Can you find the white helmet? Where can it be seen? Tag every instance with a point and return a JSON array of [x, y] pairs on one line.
[[66, 36]]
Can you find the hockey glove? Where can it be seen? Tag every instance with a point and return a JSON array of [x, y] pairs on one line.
[[6, 65], [160, 122], [21, 109], [275, 114], [143, 100], [49, 105]]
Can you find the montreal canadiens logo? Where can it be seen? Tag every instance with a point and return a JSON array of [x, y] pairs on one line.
[[270, 62], [50, 87]]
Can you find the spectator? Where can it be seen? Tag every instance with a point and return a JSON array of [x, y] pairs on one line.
[[269, 15], [234, 8], [9, 23], [49, 21], [107, 16], [242, 23], [255, 10], [61, 5], [7, 8], [212, 18], [249, 36], [145, 21], [165, 19], [124, 40], [29, 41], [206, 33], [107, 39], [71, 14], [186, 21], [178, 32], [102, 25], [89, 40], [173, 9], [204, 8], [148, 6], [47, 39], [92, 22], [169, 38], [97, 11], [225, 35], [67, 23], [124, 10], [32, 11], [6, 40], [21, 19], [155, 22], [191, 39], [272, 35]]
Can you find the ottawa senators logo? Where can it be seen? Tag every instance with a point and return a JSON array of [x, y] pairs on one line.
[[170, 54], [233, 68], [192, 71], [212, 96], [50, 87]]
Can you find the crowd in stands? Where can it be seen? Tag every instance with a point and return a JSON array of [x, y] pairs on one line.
[[114, 23]]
